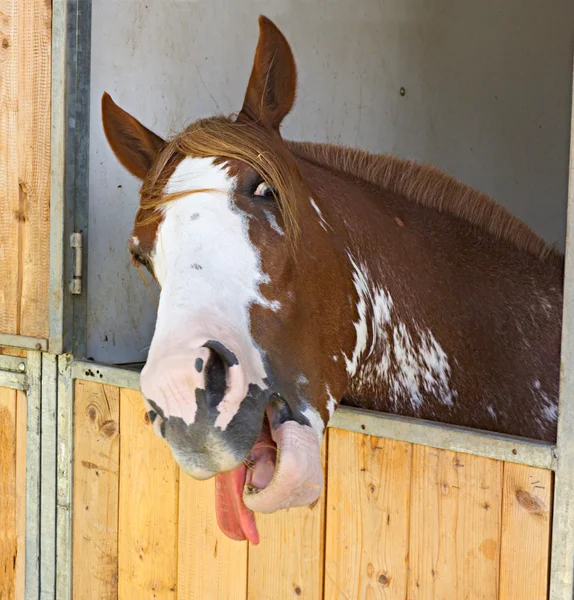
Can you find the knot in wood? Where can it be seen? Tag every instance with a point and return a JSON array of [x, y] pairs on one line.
[[531, 503], [109, 428]]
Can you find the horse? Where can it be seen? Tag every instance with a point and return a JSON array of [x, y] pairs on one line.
[[295, 276]]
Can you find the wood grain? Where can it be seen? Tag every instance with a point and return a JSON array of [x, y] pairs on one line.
[[7, 351], [288, 561], [20, 570], [10, 283], [96, 491], [398, 520], [25, 92], [455, 525], [8, 510], [33, 218], [367, 517], [210, 565], [526, 522], [149, 482]]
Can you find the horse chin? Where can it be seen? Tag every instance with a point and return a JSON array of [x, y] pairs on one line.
[[284, 468]]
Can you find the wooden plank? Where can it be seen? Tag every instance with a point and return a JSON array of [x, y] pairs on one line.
[[20, 570], [454, 525], [33, 218], [149, 482], [25, 67], [367, 517], [8, 524], [9, 188], [210, 565], [526, 521], [12, 351], [297, 573], [96, 491]]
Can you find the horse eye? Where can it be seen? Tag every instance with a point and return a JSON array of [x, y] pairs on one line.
[[139, 259], [264, 190]]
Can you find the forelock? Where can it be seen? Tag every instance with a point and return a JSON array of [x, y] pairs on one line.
[[224, 138]]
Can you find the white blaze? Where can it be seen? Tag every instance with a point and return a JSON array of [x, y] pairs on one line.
[[209, 273]]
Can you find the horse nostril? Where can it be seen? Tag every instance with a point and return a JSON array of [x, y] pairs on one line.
[[215, 373], [223, 352], [155, 409]]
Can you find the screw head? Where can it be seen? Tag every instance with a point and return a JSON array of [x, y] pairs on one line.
[[402, 91], [22, 367]]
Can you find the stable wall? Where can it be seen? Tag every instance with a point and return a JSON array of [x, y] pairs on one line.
[[397, 520], [487, 89]]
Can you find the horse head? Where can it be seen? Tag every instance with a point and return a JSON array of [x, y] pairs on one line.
[[245, 366]]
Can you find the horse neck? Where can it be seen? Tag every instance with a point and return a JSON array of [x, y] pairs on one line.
[[440, 305]]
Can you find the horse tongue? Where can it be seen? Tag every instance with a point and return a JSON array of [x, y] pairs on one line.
[[233, 517]]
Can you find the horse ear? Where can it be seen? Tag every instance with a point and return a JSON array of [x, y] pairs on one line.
[[271, 89], [134, 145]]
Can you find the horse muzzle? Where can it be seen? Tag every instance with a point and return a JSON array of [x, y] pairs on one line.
[[201, 402]]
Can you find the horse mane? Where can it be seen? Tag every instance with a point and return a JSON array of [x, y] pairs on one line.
[[428, 186], [425, 184]]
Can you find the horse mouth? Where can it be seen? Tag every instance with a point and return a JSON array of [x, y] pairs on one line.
[[261, 461], [282, 470]]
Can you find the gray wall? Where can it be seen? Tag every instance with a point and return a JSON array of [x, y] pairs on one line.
[[487, 98]]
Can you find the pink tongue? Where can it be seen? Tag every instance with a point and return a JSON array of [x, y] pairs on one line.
[[234, 518]]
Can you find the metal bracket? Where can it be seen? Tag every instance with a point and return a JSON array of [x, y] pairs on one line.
[[76, 245], [15, 364]]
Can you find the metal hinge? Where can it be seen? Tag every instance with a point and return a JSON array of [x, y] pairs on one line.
[[76, 245]]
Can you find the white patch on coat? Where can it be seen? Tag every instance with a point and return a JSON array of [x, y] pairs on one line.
[[331, 402], [135, 240], [300, 384], [361, 329], [301, 380], [313, 416], [322, 221], [273, 222], [548, 405], [211, 302], [419, 364], [335, 357]]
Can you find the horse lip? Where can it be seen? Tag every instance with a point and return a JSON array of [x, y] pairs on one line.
[[298, 474]]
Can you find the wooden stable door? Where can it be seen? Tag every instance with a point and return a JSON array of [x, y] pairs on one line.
[[25, 95], [396, 520], [12, 493]]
